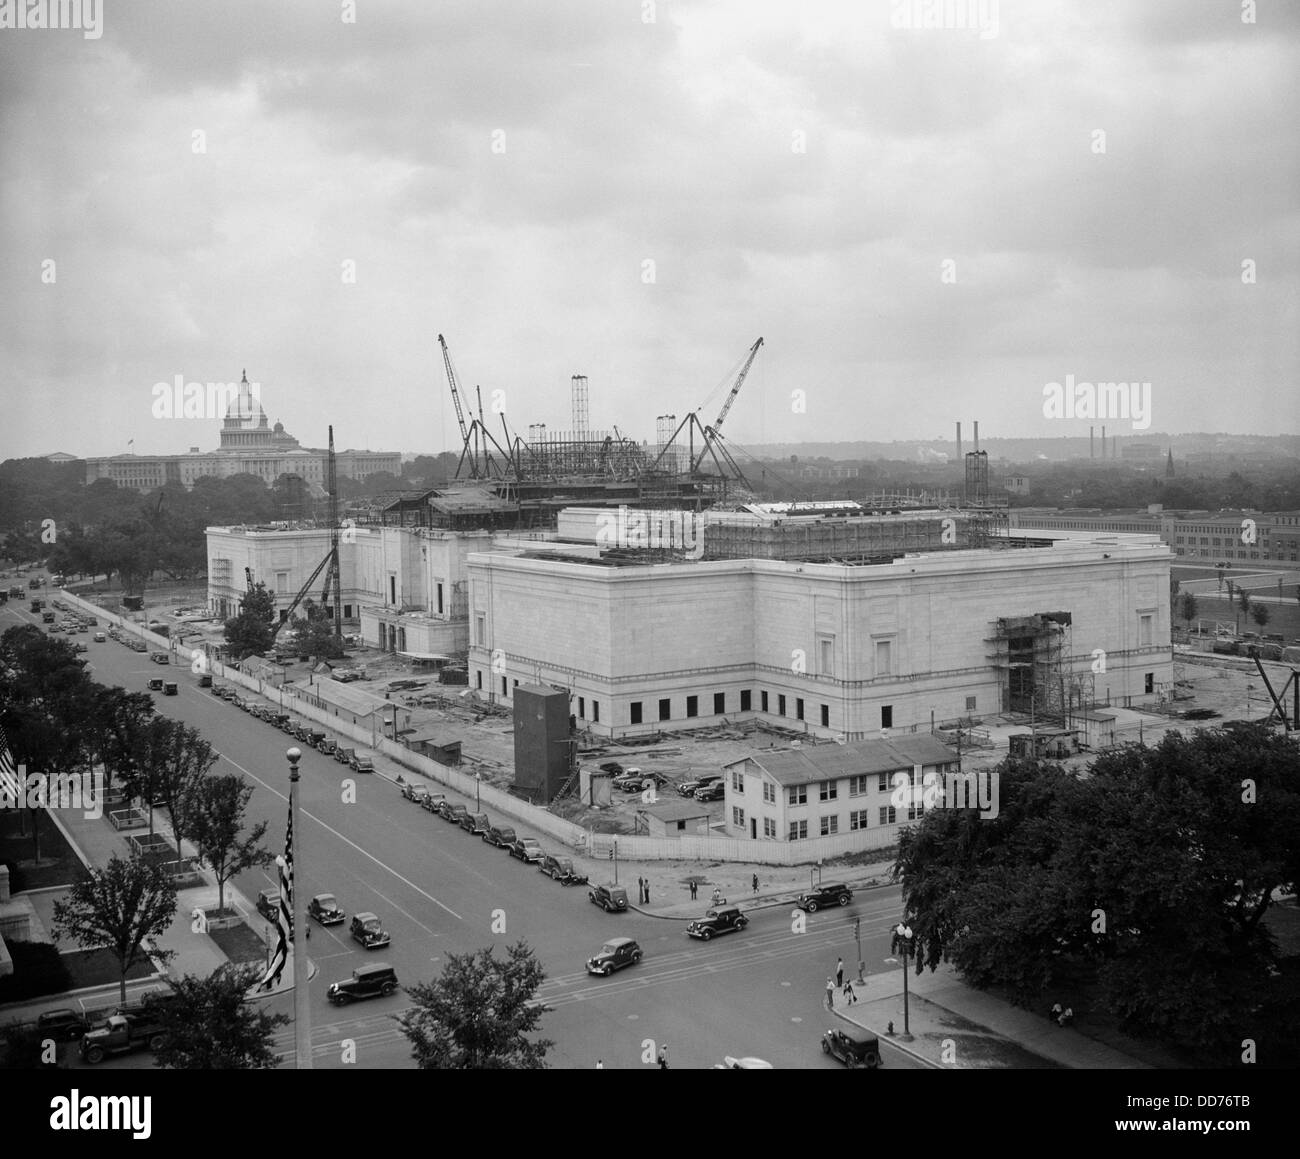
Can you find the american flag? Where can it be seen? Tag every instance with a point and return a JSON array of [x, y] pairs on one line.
[[284, 917], [8, 773]]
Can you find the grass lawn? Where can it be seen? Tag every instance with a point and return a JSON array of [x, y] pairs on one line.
[[99, 967], [239, 944], [59, 865]]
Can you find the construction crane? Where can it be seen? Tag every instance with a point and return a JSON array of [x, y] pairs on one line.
[[735, 390], [453, 383]]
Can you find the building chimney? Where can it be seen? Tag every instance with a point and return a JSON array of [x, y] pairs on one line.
[[959, 442]]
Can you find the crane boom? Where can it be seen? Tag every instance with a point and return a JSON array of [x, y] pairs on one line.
[[455, 388], [740, 381]]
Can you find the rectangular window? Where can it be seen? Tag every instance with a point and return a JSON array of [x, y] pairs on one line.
[[719, 703], [780, 704], [282, 583], [769, 827], [858, 820], [826, 656], [692, 706], [1145, 624], [665, 709], [595, 711], [830, 825], [828, 790], [738, 817], [392, 589], [884, 657], [886, 716], [858, 786], [887, 816], [882, 783], [746, 701], [914, 811], [769, 793], [970, 704], [1149, 683], [826, 716], [798, 708], [478, 681], [762, 700], [798, 830], [797, 795], [503, 686], [582, 708], [636, 712], [480, 629], [439, 591], [737, 780]]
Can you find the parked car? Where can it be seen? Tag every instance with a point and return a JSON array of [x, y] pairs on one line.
[[160, 658], [268, 904], [526, 849], [502, 836], [100, 638], [344, 756], [687, 788], [476, 823], [835, 893], [80, 647], [65, 1025], [361, 763], [629, 783], [722, 920], [609, 897], [366, 982], [449, 812], [431, 801], [413, 792], [856, 1048], [205, 680], [327, 746], [748, 1063], [119, 1034], [614, 955], [611, 767], [713, 791], [561, 869], [369, 931], [325, 910], [314, 737]]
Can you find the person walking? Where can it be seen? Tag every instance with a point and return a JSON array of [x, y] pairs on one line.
[[1055, 1015], [647, 891], [717, 895], [663, 1057], [694, 889], [830, 994], [849, 992], [755, 883], [640, 891], [839, 971]]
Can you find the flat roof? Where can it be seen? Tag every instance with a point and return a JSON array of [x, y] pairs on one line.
[[831, 761]]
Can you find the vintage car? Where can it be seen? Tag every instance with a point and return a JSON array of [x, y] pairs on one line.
[[502, 836], [155, 684], [561, 869], [431, 801], [366, 982], [160, 658], [610, 898], [413, 792], [526, 849], [344, 756], [268, 904], [325, 910], [369, 931], [832, 893], [64, 1025], [854, 1047], [361, 763], [449, 812], [614, 955], [475, 823], [722, 920], [170, 689]]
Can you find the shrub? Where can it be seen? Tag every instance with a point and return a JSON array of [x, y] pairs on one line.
[[38, 970]]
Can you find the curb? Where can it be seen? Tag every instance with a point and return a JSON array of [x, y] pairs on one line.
[[891, 1039]]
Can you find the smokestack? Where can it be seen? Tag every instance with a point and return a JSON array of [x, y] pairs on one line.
[[977, 435], [959, 442]]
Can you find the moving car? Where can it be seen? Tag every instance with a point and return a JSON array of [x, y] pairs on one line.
[[834, 893], [608, 897], [614, 955], [268, 903], [526, 849], [561, 869], [369, 931], [722, 920], [854, 1047], [170, 689], [155, 685], [502, 836], [100, 638], [325, 910], [366, 982]]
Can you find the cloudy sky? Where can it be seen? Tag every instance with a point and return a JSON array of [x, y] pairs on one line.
[[925, 224]]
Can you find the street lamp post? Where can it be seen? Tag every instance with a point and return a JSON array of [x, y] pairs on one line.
[[301, 1005], [857, 937], [903, 941], [478, 780]]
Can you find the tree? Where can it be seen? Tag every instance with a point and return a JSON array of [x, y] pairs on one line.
[[1261, 615], [477, 1014], [119, 718], [117, 907], [314, 635], [1244, 606], [216, 810], [210, 1026], [249, 633], [1098, 884], [1187, 607], [171, 759]]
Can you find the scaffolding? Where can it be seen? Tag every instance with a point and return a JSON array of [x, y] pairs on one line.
[[1029, 654], [874, 538]]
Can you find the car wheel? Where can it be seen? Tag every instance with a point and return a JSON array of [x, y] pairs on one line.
[[844, 899], [386, 989], [636, 958], [705, 935], [156, 1042], [826, 1047], [811, 907], [95, 1054], [607, 971]]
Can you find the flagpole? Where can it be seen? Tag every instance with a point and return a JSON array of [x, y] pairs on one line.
[[301, 1008]]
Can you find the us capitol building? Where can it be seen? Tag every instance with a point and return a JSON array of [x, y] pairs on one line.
[[250, 444]]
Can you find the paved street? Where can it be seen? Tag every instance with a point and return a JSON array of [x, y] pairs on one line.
[[440, 890]]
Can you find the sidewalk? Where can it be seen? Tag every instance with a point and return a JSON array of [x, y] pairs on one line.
[[956, 1027]]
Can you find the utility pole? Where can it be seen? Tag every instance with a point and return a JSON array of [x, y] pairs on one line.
[[301, 970]]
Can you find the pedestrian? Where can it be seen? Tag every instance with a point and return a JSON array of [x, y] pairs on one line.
[[640, 891], [756, 883], [647, 891], [694, 889], [1055, 1015], [663, 1057], [839, 971], [717, 895], [1067, 1016], [849, 992], [830, 994]]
